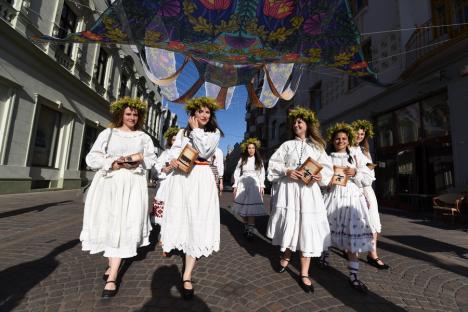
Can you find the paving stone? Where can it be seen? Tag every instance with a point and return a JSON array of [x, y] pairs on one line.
[[42, 268]]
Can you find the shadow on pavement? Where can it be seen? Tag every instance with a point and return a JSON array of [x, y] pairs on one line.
[[332, 280], [336, 283], [428, 244], [417, 255], [16, 281], [256, 247], [37, 208], [142, 253], [165, 287]]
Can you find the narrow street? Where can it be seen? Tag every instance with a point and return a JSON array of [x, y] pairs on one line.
[[42, 268]]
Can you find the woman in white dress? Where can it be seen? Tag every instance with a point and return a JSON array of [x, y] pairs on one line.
[[346, 206], [116, 218], [163, 169], [298, 220], [249, 186], [364, 130], [191, 220]]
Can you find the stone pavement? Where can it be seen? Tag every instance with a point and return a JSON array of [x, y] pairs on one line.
[[42, 268]]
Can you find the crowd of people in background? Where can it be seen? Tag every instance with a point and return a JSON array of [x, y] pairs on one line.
[[336, 207]]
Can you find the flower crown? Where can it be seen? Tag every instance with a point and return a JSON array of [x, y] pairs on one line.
[[126, 101], [171, 132], [305, 114], [253, 141], [341, 127], [195, 104], [364, 124]]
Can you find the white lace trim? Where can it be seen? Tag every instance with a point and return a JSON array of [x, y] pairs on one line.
[[194, 251]]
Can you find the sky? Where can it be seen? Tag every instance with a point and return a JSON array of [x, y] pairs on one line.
[[231, 121]]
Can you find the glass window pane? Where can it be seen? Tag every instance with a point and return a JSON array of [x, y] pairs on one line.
[[408, 124], [436, 119], [90, 136], [385, 130], [46, 137]]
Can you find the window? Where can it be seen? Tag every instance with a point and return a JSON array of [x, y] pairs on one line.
[[440, 16], [67, 26], [315, 96], [6, 108], [90, 135], [358, 5], [435, 114], [408, 123], [367, 50], [46, 137], [385, 130], [101, 67], [461, 11], [123, 85]]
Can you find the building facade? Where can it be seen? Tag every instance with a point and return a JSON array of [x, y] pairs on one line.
[[420, 144], [54, 99]]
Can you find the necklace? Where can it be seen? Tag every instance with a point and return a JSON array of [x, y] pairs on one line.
[[300, 155]]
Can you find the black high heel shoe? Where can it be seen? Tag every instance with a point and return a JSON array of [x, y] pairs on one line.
[[105, 276], [305, 287], [187, 294], [280, 268], [109, 293], [357, 284], [375, 263]]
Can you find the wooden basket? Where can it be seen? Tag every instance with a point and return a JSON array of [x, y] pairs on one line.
[[187, 158]]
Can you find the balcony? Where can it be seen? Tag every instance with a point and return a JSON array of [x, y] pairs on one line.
[[426, 41], [63, 59], [7, 11], [100, 89]]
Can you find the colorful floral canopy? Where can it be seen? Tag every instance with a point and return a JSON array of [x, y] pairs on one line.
[[231, 41]]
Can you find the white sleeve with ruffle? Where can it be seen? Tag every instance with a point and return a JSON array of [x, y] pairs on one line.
[[364, 176], [149, 154], [205, 142], [237, 173], [219, 160], [262, 176], [277, 164], [97, 158], [327, 171]]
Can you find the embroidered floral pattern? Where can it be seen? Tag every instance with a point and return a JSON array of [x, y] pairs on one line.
[[239, 32]]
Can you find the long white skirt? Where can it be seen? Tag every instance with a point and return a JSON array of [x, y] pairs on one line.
[[248, 200], [374, 218], [116, 219], [191, 221], [349, 218], [298, 218]]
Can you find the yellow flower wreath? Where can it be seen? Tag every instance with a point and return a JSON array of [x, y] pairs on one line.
[[341, 127]]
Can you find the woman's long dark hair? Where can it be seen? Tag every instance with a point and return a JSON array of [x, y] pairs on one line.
[[331, 146], [211, 126], [258, 158]]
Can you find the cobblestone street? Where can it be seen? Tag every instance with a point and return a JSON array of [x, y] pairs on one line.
[[42, 268]]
